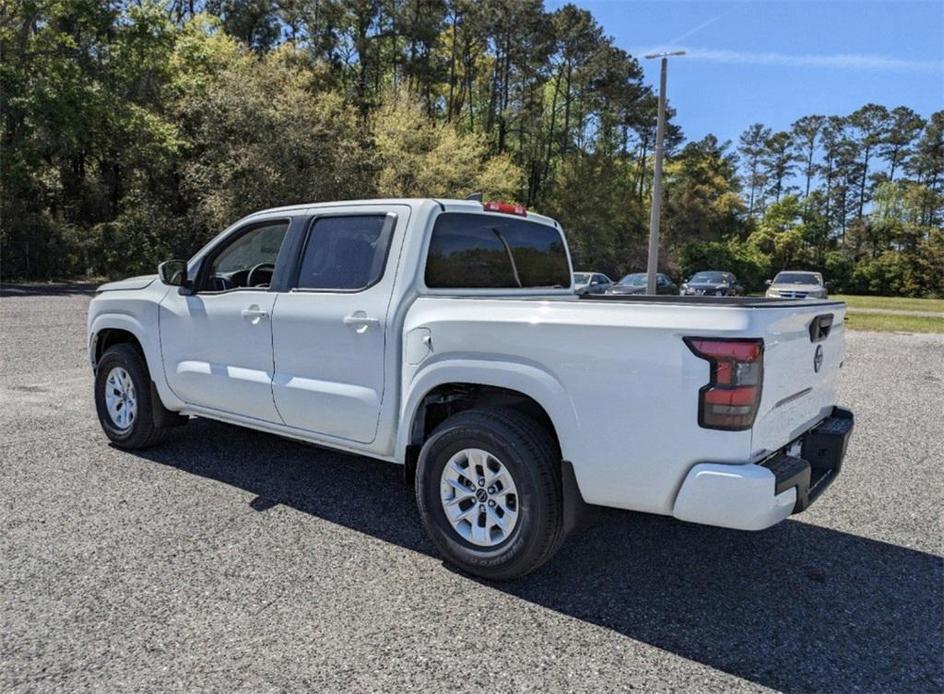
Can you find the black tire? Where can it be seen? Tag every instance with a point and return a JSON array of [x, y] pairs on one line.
[[530, 454], [148, 426]]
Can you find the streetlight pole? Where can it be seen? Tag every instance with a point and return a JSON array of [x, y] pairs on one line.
[[653, 264]]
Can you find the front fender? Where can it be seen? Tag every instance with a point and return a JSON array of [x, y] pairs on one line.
[[146, 333], [536, 383], [120, 321]]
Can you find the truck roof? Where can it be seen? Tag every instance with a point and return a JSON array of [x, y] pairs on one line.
[[447, 204]]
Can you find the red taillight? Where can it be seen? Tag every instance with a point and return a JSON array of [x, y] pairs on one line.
[[505, 208], [731, 397]]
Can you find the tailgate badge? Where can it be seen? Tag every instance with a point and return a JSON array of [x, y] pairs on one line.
[[818, 359]]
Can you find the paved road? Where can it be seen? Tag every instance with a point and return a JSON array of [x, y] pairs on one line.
[[235, 561]]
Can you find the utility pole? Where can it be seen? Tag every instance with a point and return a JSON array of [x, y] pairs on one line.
[[653, 264]]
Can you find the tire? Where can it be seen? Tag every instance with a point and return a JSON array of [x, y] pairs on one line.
[[146, 425], [528, 453]]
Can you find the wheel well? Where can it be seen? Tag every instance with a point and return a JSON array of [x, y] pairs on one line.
[[113, 336], [446, 400]]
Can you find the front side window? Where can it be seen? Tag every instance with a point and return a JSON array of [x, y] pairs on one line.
[[249, 260], [345, 253], [483, 251]]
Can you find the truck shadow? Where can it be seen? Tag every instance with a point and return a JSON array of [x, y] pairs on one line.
[[795, 608]]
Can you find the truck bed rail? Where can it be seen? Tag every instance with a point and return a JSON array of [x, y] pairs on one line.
[[738, 301]]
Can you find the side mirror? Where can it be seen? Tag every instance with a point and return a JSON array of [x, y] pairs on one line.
[[768, 282], [174, 273], [828, 284]]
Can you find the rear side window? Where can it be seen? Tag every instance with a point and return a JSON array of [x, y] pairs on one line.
[[345, 253], [481, 251]]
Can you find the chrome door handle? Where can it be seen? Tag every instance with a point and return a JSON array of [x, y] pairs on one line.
[[254, 314], [361, 319]]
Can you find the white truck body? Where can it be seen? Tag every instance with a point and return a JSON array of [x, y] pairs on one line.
[[353, 370]]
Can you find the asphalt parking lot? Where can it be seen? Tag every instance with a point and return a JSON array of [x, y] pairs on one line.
[[229, 560]]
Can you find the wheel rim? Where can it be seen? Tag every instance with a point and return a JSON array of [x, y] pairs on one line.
[[479, 497], [121, 400]]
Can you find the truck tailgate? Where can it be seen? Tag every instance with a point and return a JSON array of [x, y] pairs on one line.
[[803, 351]]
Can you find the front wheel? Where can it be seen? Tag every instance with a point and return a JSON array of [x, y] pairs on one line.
[[124, 400], [488, 489]]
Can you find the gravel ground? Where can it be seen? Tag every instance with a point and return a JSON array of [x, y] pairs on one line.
[[228, 560]]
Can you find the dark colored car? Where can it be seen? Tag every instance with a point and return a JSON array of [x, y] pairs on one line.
[[636, 284], [712, 283], [591, 282]]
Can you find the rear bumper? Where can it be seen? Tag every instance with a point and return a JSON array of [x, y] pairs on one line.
[[757, 496]]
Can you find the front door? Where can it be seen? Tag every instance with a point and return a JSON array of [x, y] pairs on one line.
[[217, 343], [329, 331]]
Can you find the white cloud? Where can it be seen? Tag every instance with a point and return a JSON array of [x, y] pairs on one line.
[[838, 61]]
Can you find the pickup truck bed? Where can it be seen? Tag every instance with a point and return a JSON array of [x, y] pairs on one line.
[[621, 423]]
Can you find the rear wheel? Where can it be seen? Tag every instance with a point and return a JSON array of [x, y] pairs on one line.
[[124, 399], [489, 492]]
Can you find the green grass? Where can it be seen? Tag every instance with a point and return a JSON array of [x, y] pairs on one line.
[[890, 322], [893, 303]]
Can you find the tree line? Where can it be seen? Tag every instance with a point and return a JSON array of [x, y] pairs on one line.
[[135, 131], [859, 197]]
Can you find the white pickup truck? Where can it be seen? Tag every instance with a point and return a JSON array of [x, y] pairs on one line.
[[445, 336]]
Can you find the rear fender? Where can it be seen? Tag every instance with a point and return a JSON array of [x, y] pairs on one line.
[[537, 384]]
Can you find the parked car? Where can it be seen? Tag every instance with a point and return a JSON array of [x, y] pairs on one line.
[[591, 282], [636, 284], [444, 336], [712, 283], [797, 284]]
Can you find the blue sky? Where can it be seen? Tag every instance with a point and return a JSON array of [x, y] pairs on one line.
[[772, 62]]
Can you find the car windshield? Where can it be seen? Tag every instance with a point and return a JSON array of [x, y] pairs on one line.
[[635, 280], [717, 277], [581, 277], [796, 278]]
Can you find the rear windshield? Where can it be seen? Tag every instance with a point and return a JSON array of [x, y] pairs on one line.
[[484, 251]]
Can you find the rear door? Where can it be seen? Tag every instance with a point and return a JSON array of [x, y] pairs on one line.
[[329, 331], [803, 350]]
